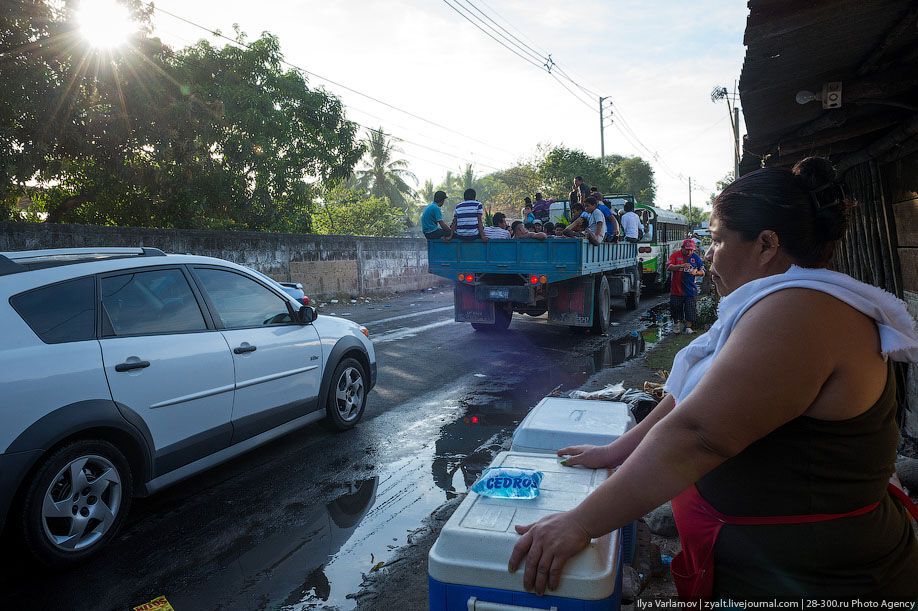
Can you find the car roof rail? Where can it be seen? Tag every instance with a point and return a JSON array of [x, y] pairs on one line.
[[25, 260], [86, 253]]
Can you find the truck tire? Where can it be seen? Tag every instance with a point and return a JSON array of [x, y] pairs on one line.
[[502, 318], [633, 298], [601, 306]]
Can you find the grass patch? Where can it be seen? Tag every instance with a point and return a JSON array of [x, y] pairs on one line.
[[662, 355]]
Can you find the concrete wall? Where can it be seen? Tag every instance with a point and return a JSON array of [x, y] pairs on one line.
[[325, 265]]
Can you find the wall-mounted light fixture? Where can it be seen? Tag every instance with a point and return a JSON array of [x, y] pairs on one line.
[[831, 95]]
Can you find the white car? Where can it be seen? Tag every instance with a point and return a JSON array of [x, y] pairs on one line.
[[125, 370]]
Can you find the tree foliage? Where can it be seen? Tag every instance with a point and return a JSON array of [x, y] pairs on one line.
[[383, 175], [146, 135], [346, 211], [695, 215]]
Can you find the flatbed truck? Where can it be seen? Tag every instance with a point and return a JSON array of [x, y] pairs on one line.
[[569, 278]]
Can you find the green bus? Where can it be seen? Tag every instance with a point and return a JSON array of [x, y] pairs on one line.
[[663, 234]]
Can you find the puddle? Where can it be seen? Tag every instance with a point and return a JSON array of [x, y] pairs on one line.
[[311, 549]]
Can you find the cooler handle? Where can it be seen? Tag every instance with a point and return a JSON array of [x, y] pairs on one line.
[[480, 605]]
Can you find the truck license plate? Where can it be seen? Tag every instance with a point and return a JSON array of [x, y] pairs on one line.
[[499, 293]]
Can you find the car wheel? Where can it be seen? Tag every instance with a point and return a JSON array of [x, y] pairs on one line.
[[76, 502], [347, 395]]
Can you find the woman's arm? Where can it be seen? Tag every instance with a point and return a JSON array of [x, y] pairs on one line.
[[615, 453], [769, 372]]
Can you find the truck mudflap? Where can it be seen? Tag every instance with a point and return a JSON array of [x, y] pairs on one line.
[[571, 302], [469, 308]]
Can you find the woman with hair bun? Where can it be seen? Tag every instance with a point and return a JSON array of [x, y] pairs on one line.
[[777, 438]]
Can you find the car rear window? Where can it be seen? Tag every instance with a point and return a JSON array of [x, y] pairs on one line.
[[62, 312]]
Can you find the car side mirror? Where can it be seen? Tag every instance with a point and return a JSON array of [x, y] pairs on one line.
[[307, 315]]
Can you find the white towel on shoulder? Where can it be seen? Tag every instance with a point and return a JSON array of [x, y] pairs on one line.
[[898, 338]]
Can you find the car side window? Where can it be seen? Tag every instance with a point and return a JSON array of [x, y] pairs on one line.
[[149, 302], [62, 312], [242, 302]]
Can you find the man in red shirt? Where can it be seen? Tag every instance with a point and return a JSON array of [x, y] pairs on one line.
[[685, 265]]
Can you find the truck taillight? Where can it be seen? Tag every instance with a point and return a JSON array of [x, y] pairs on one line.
[[533, 280], [469, 278], [644, 249]]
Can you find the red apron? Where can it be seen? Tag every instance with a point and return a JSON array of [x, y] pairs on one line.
[[699, 525]]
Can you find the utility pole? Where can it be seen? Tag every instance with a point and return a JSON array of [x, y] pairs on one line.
[[736, 151], [602, 132], [690, 201], [721, 93]]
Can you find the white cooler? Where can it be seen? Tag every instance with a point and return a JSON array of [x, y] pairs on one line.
[[467, 566], [556, 423]]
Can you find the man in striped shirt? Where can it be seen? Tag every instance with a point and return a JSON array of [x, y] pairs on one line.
[[468, 221]]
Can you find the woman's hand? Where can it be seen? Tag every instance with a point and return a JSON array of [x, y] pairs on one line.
[[591, 457], [547, 545]]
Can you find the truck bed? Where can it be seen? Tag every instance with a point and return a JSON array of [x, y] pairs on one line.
[[558, 258]]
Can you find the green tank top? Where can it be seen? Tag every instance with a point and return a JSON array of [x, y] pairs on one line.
[[811, 466]]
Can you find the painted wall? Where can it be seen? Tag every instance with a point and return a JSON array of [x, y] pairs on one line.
[[325, 265]]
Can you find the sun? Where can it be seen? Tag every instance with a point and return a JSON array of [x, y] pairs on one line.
[[105, 23]]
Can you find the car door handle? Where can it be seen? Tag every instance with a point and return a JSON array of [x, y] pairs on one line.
[[244, 349], [130, 366]]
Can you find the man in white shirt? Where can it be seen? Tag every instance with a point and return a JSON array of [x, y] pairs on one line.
[[498, 229], [631, 223]]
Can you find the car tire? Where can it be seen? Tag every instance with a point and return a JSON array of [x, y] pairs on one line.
[[67, 520], [347, 395]]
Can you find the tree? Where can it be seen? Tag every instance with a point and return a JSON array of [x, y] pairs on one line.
[[382, 174], [344, 211], [635, 176], [201, 137], [695, 215], [560, 165], [720, 186]]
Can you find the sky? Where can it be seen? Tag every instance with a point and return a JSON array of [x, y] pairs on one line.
[[656, 61]]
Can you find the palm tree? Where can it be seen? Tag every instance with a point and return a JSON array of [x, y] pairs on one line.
[[383, 175]]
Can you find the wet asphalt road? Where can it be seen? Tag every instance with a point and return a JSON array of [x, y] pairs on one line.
[[295, 524]]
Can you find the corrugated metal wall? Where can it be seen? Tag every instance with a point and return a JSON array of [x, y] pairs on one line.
[[868, 250]]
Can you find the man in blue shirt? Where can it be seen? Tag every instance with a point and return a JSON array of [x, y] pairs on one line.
[[432, 218]]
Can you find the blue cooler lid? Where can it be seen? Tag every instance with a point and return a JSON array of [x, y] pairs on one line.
[[556, 423], [475, 544]]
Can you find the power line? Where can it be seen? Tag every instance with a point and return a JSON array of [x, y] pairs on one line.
[[333, 82], [351, 121], [516, 46], [519, 43], [471, 20]]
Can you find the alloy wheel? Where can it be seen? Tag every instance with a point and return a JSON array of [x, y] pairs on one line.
[[349, 393], [82, 503]]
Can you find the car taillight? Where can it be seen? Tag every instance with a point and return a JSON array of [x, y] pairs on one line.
[[644, 249], [306, 301]]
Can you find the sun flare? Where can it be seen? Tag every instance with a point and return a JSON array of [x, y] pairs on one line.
[[104, 23]]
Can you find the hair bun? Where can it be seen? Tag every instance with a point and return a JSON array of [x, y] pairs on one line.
[[816, 173], [818, 177]]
